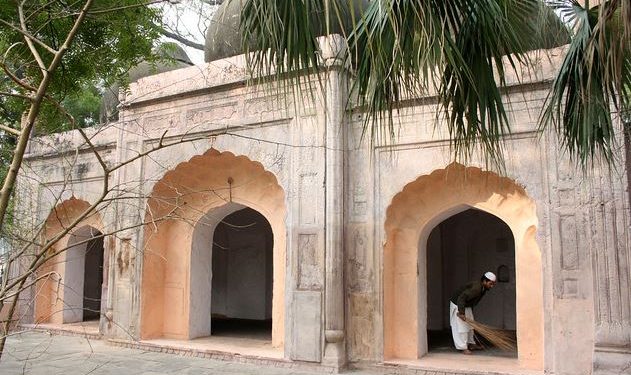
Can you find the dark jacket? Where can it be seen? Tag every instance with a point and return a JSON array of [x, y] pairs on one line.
[[468, 295]]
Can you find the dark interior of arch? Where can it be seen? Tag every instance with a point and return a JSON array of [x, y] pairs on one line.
[[93, 277], [459, 250], [242, 271]]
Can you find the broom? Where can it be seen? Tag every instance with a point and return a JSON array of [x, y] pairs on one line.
[[499, 338]]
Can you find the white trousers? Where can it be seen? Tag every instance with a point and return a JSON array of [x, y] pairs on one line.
[[460, 330]]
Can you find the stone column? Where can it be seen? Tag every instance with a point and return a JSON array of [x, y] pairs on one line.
[[609, 228], [335, 102]]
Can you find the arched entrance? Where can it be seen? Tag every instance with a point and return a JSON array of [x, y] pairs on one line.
[[410, 218], [459, 250], [186, 209], [73, 277], [234, 243], [83, 275]]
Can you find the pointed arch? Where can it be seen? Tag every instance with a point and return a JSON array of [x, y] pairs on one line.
[[411, 216], [179, 202], [57, 298]]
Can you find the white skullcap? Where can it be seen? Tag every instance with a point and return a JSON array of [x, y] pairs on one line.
[[490, 276]]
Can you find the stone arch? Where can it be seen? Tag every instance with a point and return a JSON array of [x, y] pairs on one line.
[[410, 218], [183, 197], [53, 294]]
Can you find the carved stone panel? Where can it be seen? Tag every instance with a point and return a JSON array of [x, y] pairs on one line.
[[360, 275], [308, 199], [310, 263], [307, 326], [569, 246], [208, 115]]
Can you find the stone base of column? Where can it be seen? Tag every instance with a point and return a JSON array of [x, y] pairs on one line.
[[612, 360], [334, 350]]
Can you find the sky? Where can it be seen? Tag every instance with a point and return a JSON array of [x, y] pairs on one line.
[[190, 18]]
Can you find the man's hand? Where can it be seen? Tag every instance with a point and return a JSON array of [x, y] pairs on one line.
[[462, 316]]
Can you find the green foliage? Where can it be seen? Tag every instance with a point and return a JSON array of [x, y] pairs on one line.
[[116, 35], [404, 49], [458, 51], [594, 78], [82, 105], [412, 47], [280, 36]]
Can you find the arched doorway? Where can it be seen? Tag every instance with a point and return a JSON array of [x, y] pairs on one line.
[[185, 209], [83, 276], [414, 213], [73, 277], [459, 250], [234, 243]]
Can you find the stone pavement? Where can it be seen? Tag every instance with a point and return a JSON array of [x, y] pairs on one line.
[[41, 353], [37, 353]]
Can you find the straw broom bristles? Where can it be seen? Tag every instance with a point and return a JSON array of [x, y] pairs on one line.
[[499, 338]]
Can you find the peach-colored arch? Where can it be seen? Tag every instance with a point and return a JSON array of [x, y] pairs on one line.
[[420, 206], [49, 298], [177, 203]]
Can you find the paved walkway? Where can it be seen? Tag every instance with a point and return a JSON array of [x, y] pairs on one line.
[[43, 354], [37, 353]]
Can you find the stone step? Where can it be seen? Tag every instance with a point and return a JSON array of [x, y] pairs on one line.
[[63, 331]]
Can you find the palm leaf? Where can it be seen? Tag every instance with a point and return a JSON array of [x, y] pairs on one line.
[[593, 80], [492, 35], [453, 47], [280, 37]]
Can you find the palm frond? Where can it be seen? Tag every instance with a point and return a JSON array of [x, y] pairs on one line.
[[397, 44], [593, 80], [410, 48], [280, 36], [490, 36]]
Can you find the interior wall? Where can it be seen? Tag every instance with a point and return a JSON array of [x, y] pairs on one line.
[[201, 275], [459, 250], [60, 303], [93, 279], [437, 310], [83, 272], [241, 258], [72, 279]]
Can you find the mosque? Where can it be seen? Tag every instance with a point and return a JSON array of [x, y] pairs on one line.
[[269, 231]]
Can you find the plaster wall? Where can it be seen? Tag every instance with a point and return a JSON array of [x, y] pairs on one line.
[[465, 246], [224, 281], [55, 304], [242, 267], [191, 189], [73, 279], [571, 231], [202, 275]]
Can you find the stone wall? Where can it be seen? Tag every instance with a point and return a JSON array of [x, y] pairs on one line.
[[571, 230]]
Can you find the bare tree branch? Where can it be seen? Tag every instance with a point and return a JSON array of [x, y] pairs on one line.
[[181, 39], [33, 112], [15, 78], [10, 130]]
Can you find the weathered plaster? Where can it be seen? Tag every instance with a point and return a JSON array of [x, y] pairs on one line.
[[52, 304], [333, 200], [414, 212], [178, 201]]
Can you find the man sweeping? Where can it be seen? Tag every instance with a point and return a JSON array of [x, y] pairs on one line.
[[460, 311]]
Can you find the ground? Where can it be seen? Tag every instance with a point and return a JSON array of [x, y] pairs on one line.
[[40, 353]]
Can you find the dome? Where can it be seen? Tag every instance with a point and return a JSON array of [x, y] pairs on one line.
[[224, 40], [174, 57]]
